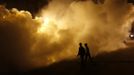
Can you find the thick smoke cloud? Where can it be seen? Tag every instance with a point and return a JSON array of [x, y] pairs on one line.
[[16, 29], [56, 32], [103, 26]]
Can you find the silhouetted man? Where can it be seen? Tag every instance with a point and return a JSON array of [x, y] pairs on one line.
[[81, 53], [88, 55]]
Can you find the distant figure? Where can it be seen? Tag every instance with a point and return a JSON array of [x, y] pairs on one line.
[[88, 55], [81, 53]]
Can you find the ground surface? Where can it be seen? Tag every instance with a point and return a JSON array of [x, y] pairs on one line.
[[119, 62]]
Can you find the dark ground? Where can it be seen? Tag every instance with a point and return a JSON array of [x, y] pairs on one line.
[[119, 62]]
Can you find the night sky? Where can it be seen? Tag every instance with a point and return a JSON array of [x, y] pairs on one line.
[[31, 5]]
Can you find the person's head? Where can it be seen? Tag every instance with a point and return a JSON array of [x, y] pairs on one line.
[[80, 44], [85, 44]]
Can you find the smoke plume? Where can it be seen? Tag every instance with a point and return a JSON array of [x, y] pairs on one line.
[[55, 33]]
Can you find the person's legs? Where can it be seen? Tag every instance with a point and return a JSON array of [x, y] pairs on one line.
[[82, 61], [86, 58]]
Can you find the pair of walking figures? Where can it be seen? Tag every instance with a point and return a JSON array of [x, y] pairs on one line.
[[84, 54]]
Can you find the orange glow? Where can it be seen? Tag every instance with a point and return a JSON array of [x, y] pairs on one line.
[[45, 24]]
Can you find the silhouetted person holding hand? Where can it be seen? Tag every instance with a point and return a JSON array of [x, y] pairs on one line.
[[81, 53], [87, 55]]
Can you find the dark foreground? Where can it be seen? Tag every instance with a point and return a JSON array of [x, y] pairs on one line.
[[120, 62], [98, 68]]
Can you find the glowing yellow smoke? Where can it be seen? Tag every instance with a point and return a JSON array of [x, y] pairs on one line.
[[64, 25], [61, 26], [42, 28], [46, 25]]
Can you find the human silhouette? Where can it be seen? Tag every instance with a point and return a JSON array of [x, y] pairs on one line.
[[87, 54], [81, 53]]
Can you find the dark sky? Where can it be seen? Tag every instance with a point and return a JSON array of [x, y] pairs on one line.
[[131, 1], [31, 5]]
